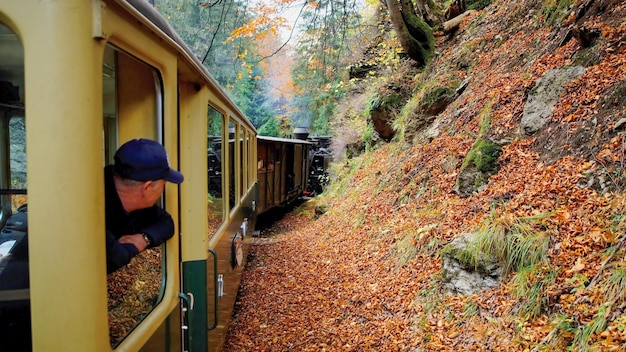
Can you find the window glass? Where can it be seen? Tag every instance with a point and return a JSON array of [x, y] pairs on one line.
[[215, 128], [232, 133], [14, 275], [132, 109], [242, 162], [249, 158]]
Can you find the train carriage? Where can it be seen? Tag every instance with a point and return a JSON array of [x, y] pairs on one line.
[[282, 171], [78, 79]]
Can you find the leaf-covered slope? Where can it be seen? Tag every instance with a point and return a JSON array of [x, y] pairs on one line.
[[366, 275]]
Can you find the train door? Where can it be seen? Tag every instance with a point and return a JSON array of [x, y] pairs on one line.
[[15, 323]]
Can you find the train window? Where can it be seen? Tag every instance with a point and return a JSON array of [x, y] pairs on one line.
[[109, 103], [215, 128], [14, 275], [132, 98], [243, 175], [251, 170], [232, 133], [261, 161]]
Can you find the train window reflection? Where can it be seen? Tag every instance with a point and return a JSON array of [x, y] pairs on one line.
[[132, 109], [14, 274], [215, 128]]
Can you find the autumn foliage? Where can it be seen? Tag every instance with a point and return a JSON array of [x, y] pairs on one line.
[[366, 274]]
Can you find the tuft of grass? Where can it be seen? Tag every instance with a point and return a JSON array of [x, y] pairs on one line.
[[529, 286], [513, 242], [583, 334], [615, 284]]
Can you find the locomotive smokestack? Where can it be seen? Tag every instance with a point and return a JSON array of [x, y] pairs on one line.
[[301, 133]]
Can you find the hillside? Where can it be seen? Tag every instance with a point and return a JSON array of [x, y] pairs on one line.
[[516, 176]]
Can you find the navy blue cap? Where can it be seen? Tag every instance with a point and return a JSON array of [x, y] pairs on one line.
[[144, 160]]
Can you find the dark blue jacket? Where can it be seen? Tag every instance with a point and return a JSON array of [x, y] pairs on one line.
[[154, 222]]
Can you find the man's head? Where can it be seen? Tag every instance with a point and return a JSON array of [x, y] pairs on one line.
[[144, 160]]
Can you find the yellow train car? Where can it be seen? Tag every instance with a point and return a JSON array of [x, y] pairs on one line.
[[78, 79]]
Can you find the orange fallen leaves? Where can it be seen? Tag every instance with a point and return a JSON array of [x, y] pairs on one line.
[[335, 283]]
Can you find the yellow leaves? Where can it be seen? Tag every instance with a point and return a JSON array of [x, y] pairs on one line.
[[266, 22], [578, 267], [601, 236]]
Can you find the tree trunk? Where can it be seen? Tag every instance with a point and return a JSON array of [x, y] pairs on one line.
[[452, 25], [426, 13], [415, 36]]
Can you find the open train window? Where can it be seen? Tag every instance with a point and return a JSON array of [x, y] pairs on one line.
[[132, 108], [14, 274], [215, 130]]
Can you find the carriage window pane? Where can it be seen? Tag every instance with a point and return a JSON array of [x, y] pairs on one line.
[[232, 130], [242, 159], [251, 170], [14, 275], [215, 128]]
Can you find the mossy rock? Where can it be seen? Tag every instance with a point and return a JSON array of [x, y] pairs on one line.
[[388, 101], [382, 113], [485, 155], [437, 99], [480, 163]]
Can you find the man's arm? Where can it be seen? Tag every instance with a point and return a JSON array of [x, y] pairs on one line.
[[137, 239], [160, 228], [118, 254]]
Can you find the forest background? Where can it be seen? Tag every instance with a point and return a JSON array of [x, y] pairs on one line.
[[493, 143], [280, 77]]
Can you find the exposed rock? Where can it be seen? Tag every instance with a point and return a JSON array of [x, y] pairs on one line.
[[544, 96], [464, 278], [382, 120], [383, 110], [585, 138]]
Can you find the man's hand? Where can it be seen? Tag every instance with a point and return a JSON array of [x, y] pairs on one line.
[[136, 239]]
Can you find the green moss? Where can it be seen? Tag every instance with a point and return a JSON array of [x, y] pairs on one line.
[[437, 94], [477, 4], [555, 11], [485, 155], [391, 100]]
